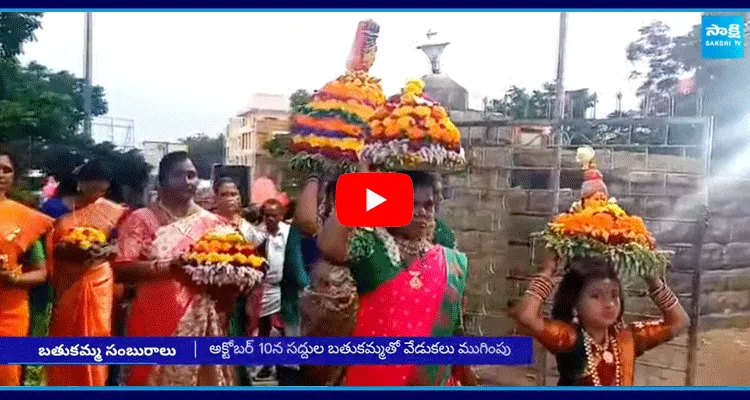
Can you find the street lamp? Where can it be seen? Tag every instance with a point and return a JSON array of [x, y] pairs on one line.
[[433, 51]]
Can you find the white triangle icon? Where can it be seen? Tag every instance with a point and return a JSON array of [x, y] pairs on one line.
[[373, 200]]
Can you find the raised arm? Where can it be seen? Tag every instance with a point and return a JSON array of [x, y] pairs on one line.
[[555, 336], [647, 335], [306, 213], [333, 240]]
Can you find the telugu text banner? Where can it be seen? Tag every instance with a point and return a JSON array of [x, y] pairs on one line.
[[266, 351]]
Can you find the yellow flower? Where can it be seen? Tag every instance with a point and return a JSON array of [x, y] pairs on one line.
[[85, 244], [405, 122]]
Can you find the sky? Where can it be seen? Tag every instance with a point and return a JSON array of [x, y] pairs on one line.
[[177, 74]]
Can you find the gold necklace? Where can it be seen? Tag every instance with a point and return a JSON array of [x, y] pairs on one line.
[[415, 249], [604, 353]]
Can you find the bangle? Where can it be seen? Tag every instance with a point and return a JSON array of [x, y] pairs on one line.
[[160, 266], [663, 297], [540, 287]]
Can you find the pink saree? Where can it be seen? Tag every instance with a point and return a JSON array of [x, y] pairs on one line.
[[149, 234], [395, 308]]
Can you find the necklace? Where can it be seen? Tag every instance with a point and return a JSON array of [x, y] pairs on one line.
[[414, 249], [608, 352]]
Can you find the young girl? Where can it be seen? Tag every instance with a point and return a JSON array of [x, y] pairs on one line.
[[591, 344]]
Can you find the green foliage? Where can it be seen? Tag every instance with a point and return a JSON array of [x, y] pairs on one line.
[[631, 259], [518, 103], [16, 29], [41, 105], [298, 99], [205, 151]]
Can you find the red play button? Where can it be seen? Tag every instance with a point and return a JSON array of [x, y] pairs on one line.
[[374, 199]]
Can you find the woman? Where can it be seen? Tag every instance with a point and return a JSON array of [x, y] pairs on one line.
[[228, 204], [21, 231], [83, 291], [62, 202], [300, 255], [151, 241], [592, 345], [408, 286]]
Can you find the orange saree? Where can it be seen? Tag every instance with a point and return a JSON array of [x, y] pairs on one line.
[[83, 294], [20, 227]]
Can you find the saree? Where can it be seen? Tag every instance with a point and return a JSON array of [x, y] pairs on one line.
[[83, 293], [20, 228], [389, 305], [150, 234]]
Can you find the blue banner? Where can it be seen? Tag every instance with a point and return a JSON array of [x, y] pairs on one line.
[[266, 351]]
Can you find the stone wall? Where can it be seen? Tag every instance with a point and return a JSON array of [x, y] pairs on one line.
[[507, 195]]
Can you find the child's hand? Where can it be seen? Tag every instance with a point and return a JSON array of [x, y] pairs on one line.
[[550, 265]]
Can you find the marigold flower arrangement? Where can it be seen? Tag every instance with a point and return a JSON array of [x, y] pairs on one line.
[[329, 131], [597, 224], [412, 131], [224, 258], [84, 243]]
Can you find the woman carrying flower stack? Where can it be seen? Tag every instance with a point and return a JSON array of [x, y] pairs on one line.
[[22, 264], [83, 286], [152, 242], [407, 284], [601, 245], [319, 298]]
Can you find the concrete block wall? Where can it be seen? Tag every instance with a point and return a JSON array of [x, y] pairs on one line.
[[493, 219]]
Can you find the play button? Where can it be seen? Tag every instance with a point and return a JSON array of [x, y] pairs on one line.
[[373, 200]]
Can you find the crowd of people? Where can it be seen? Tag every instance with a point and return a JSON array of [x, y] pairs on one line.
[[316, 284]]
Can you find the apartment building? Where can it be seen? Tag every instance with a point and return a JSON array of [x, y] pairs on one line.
[[267, 115]]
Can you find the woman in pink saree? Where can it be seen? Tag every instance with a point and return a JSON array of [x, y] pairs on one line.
[[408, 286], [151, 241]]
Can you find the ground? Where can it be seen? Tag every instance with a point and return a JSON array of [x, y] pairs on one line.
[[723, 360]]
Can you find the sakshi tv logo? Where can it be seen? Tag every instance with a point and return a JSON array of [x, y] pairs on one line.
[[723, 37]]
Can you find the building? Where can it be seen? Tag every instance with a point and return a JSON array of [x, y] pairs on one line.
[[266, 116]]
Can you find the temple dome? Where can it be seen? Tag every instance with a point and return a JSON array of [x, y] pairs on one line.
[[448, 92]]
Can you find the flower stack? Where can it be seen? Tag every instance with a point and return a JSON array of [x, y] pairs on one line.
[[84, 244], [412, 131], [224, 258], [597, 225], [329, 131]]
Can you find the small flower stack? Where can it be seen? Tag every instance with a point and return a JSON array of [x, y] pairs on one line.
[[597, 224], [224, 258], [84, 244], [329, 131], [413, 131]]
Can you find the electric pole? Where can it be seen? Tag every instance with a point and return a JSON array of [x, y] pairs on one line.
[[87, 61], [559, 111]]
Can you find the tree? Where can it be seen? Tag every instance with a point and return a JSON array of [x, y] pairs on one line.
[[299, 98], [652, 51], [719, 83], [205, 151], [41, 112], [519, 104], [16, 29]]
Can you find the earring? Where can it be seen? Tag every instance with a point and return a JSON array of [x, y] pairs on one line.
[[575, 317]]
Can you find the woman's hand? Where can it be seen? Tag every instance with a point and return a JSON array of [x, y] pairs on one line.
[[7, 278]]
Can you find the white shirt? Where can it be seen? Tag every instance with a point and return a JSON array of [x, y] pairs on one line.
[[275, 249]]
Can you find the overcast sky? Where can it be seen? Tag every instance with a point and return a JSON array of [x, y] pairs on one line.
[[175, 74]]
